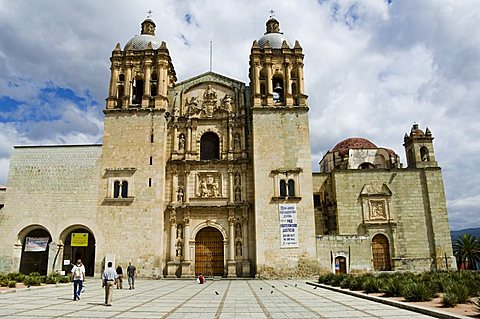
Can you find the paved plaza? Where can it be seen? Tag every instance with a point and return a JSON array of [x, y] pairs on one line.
[[187, 299]]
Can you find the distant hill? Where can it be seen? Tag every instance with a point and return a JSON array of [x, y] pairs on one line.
[[472, 231]]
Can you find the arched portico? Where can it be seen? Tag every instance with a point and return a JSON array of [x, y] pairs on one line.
[[33, 243], [78, 243]]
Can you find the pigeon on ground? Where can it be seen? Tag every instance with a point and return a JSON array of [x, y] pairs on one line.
[[285, 286], [216, 292], [295, 285], [271, 292], [273, 287], [315, 287], [261, 288]]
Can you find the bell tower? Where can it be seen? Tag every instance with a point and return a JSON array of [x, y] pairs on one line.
[[419, 148], [284, 220]]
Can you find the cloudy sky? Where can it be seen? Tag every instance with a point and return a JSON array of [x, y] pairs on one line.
[[372, 69]]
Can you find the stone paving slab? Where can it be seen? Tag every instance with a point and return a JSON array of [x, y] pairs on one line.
[[187, 299]]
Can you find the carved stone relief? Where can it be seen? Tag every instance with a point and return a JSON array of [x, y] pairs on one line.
[[377, 209], [209, 185], [208, 103]]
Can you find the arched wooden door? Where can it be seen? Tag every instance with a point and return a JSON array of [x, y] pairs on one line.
[[381, 253], [209, 257]]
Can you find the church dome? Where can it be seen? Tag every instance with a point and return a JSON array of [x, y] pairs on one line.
[[273, 35], [353, 143], [140, 42]]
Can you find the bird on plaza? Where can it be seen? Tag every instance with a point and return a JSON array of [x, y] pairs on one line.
[[315, 287], [261, 288], [216, 292], [285, 286], [295, 285], [273, 287], [271, 292]]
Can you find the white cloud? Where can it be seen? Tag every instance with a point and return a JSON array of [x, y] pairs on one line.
[[371, 69]]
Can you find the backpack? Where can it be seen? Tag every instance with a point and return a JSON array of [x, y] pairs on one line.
[[78, 272]]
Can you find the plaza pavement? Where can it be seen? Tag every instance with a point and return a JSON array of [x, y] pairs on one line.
[[187, 299]]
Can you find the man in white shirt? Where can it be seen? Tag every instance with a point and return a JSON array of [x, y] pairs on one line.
[[78, 272], [109, 277]]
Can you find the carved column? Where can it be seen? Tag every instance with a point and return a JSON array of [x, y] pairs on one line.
[[189, 137], [186, 187], [186, 237], [301, 88], [113, 80], [128, 86], [269, 79], [173, 234], [231, 264], [174, 183], [256, 72], [288, 86], [146, 84], [230, 179], [244, 182], [175, 137]]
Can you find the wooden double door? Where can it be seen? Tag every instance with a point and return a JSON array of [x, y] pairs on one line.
[[209, 252]]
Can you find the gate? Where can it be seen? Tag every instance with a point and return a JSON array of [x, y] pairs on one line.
[[381, 253], [209, 258]]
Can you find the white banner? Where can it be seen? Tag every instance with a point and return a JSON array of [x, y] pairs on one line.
[[36, 243], [288, 225]]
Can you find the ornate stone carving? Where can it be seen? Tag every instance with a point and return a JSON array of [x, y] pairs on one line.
[[238, 249], [208, 103], [377, 209], [209, 185], [180, 194], [236, 142], [238, 194], [238, 179], [238, 231], [179, 231], [181, 142]]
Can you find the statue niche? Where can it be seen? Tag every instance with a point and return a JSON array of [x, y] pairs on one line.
[[209, 185]]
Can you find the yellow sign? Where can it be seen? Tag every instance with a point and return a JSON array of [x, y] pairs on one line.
[[79, 239]]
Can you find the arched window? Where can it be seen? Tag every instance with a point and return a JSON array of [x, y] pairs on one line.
[[366, 166], [154, 76], [291, 188], [283, 188], [153, 90], [121, 77], [209, 147], [278, 89], [116, 189], [137, 91], [262, 88], [121, 91], [124, 189], [424, 154]]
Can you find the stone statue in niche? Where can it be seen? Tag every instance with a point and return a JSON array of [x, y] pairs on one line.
[[377, 210], [238, 249], [236, 141], [227, 103], [180, 195], [181, 142], [215, 192], [238, 230], [238, 179], [203, 189], [179, 249], [238, 194], [179, 231]]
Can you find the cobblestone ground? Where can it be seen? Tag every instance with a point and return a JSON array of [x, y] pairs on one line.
[[187, 299]]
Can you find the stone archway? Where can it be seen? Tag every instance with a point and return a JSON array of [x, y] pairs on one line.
[[381, 253], [209, 252], [82, 247], [35, 251]]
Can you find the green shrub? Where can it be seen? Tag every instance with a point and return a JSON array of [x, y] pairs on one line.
[[32, 281], [372, 285], [455, 293], [392, 287], [417, 291], [64, 279], [12, 284], [52, 279], [34, 274], [18, 277], [476, 303], [356, 284]]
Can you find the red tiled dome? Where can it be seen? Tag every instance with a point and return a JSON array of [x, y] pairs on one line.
[[353, 143]]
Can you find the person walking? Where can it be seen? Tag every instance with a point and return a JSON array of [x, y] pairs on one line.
[[119, 271], [78, 272], [131, 275], [109, 276]]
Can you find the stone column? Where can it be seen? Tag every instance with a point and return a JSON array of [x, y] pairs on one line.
[[269, 79], [174, 184], [188, 146], [288, 86], [230, 181], [231, 264], [128, 86], [194, 137], [300, 81], [244, 182], [173, 234], [113, 81], [186, 237], [186, 187], [256, 72]]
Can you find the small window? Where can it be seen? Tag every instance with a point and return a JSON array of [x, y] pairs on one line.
[[150, 182], [137, 91], [121, 91], [116, 189], [154, 76], [124, 189], [424, 154], [283, 188], [316, 200], [153, 90], [121, 77], [209, 147], [366, 166], [291, 188], [151, 160], [278, 89]]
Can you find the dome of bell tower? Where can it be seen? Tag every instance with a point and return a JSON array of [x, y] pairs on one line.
[[140, 42], [273, 35]]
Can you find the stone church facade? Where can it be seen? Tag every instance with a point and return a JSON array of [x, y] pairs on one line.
[[212, 176]]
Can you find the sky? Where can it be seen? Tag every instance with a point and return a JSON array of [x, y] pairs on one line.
[[372, 69]]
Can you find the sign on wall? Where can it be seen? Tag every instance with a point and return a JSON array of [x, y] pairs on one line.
[[288, 225], [36, 243], [79, 240]]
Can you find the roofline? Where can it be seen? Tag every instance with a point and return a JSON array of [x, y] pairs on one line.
[[207, 73], [62, 145]]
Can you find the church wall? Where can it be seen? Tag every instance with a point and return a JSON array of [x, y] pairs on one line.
[[139, 219], [282, 149], [410, 230], [51, 188], [355, 248]]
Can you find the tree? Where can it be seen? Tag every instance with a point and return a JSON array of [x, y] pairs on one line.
[[467, 251]]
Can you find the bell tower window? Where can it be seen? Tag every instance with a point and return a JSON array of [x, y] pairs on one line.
[[278, 90], [137, 91], [424, 154]]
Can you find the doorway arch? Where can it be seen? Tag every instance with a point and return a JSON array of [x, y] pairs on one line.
[[83, 249], [340, 265], [209, 252], [35, 250], [381, 253]]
